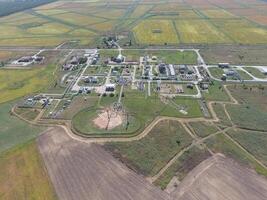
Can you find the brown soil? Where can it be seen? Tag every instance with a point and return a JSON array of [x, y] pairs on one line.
[[86, 171], [221, 178], [108, 119]]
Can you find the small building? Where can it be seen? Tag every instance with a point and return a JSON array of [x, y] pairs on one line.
[[182, 69], [204, 86], [223, 65], [119, 58], [172, 71], [190, 86], [74, 61], [263, 70], [162, 68], [25, 59], [230, 73], [110, 88]]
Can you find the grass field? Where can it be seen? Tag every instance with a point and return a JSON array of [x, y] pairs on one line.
[[14, 131], [141, 109], [243, 75], [248, 116], [23, 175], [255, 72], [17, 83], [222, 144], [150, 154], [203, 129], [216, 93], [182, 166], [254, 142], [219, 110], [216, 72]]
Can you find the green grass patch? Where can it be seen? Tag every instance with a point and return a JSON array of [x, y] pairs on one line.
[[182, 166], [150, 154], [248, 116], [14, 131], [203, 129], [254, 142], [255, 72], [216, 92], [221, 144]]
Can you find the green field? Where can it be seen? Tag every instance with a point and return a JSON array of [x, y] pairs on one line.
[[216, 72], [182, 166], [254, 142], [216, 92], [222, 144], [141, 109], [248, 116], [220, 112], [23, 175], [18, 83], [150, 154], [13, 130], [255, 72], [203, 129]]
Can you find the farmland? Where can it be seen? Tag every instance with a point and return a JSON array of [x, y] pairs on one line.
[[177, 23]]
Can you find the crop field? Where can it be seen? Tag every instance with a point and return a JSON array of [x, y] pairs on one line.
[[31, 182], [242, 31], [190, 22], [220, 177], [161, 32], [218, 14], [200, 31], [150, 154]]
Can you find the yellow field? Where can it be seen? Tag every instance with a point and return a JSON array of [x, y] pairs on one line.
[[104, 26], [111, 13], [199, 31], [243, 31], [7, 55], [7, 31], [155, 32], [23, 176], [218, 13], [77, 19], [51, 11], [49, 28], [82, 33], [180, 14], [31, 41]]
